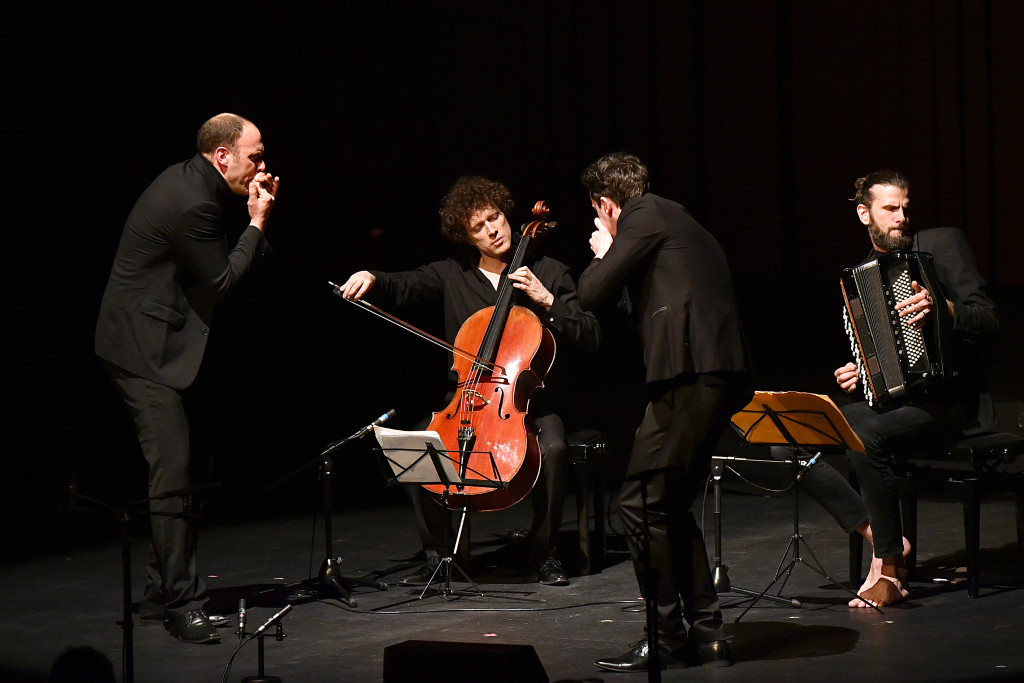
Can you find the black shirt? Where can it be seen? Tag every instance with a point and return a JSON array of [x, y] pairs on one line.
[[462, 290]]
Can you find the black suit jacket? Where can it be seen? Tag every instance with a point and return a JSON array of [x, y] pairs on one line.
[[173, 263], [974, 312], [974, 319], [679, 288]]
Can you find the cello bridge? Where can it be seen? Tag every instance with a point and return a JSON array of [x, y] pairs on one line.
[[474, 395]]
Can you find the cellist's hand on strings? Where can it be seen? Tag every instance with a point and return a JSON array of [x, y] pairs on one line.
[[524, 279], [358, 285]]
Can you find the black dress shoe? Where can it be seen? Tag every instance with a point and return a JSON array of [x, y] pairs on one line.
[[638, 657], [421, 577], [193, 627], [154, 615], [714, 653], [551, 573]]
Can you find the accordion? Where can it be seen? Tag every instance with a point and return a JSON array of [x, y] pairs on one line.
[[895, 360]]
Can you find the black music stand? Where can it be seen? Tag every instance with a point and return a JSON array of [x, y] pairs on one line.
[[419, 458], [804, 423], [124, 517]]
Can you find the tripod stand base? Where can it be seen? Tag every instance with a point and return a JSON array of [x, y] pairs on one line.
[[786, 569], [439, 586], [778, 599], [261, 679], [442, 575], [331, 584], [724, 586]]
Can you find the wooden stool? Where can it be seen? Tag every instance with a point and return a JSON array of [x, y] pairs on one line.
[[586, 453]]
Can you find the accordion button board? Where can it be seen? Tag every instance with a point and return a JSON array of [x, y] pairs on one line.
[[893, 357]]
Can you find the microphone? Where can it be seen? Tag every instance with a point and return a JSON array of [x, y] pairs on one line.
[[269, 622], [808, 466], [241, 618], [369, 428]]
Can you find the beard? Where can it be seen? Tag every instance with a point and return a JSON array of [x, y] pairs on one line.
[[891, 241]]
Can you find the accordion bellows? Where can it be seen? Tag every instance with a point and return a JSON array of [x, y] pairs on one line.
[[894, 359]]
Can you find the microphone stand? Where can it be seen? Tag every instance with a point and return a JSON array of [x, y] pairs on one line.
[[720, 572], [329, 581], [260, 634]]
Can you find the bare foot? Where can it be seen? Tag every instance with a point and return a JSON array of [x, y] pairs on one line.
[[874, 574], [886, 591]]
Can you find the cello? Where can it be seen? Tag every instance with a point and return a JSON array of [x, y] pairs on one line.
[[486, 422]]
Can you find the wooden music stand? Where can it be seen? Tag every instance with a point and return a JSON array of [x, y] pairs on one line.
[[808, 424]]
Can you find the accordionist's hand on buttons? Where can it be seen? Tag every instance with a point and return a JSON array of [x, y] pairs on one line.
[[918, 306], [846, 377]]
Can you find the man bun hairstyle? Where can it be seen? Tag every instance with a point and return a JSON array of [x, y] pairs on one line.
[[619, 176], [864, 195], [468, 195]]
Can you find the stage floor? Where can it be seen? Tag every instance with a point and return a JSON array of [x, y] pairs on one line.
[[54, 602]]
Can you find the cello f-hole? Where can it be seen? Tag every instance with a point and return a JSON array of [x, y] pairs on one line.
[[501, 403]]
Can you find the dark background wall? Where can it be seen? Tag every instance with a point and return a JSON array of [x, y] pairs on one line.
[[758, 116]]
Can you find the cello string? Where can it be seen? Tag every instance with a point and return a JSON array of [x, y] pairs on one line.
[[467, 411], [469, 390]]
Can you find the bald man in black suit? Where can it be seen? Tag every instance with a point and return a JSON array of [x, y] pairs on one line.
[[173, 264]]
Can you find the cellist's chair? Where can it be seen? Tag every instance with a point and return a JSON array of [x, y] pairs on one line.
[[587, 449]]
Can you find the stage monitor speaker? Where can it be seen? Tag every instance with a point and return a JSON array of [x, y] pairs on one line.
[[429, 661]]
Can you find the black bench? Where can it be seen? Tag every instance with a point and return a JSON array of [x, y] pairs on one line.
[[970, 470], [587, 453]]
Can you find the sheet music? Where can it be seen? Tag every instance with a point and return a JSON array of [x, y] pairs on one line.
[[406, 453]]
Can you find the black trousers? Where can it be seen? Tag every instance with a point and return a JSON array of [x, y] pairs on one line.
[[547, 498], [888, 434], [162, 428], [682, 423], [825, 484]]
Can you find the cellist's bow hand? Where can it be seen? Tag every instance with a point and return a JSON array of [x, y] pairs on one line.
[[523, 279], [357, 285]]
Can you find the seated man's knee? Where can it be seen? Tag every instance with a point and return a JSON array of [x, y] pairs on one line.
[[556, 455]]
